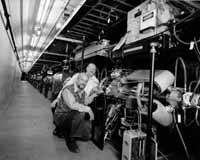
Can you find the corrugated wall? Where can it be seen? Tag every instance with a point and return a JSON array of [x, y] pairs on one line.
[[9, 69]]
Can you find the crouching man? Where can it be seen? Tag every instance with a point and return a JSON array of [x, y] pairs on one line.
[[72, 117]]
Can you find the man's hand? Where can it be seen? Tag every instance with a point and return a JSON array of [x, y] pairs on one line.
[[90, 112], [86, 109], [90, 98]]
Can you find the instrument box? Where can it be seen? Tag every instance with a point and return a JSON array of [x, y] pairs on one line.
[[134, 146]]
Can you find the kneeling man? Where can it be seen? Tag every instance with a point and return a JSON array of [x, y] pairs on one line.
[[72, 116]]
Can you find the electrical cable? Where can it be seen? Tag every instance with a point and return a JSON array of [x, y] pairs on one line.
[[184, 72], [102, 73], [196, 49], [174, 32], [163, 156], [181, 137], [197, 72], [190, 85], [197, 53], [185, 119], [196, 116], [175, 25], [195, 89], [97, 73], [139, 120]]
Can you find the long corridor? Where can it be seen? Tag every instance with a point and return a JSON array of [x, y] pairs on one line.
[[26, 131]]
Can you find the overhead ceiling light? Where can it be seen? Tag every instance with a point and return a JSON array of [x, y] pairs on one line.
[[34, 40], [108, 21], [42, 10], [37, 30], [58, 25], [74, 9]]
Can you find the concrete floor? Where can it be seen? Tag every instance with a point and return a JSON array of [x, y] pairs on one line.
[[26, 131]]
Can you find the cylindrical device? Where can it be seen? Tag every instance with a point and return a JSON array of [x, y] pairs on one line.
[[164, 79], [195, 100], [190, 99]]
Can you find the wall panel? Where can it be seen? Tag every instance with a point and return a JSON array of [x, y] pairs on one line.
[[9, 69]]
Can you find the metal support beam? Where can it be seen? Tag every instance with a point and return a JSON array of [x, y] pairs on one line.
[[22, 61], [191, 3], [74, 36], [68, 39], [38, 64], [81, 30], [77, 33], [99, 17], [82, 56], [96, 22], [50, 61], [103, 12], [79, 26], [124, 3], [85, 24], [54, 54], [150, 106], [110, 7]]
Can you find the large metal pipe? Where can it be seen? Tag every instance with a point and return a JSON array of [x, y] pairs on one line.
[[82, 56], [149, 124]]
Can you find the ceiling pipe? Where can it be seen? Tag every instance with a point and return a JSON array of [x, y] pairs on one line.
[[44, 60], [54, 54], [68, 39], [8, 27]]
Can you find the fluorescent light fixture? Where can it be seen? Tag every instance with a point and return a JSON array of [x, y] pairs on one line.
[[41, 41], [63, 26], [34, 40], [58, 25], [43, 7], [44, 12], [37, 30], [26, 39], [40, 11]]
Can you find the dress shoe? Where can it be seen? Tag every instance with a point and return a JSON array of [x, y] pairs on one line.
[[72, 146]]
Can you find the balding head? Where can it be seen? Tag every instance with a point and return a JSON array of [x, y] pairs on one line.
[[91, 69], [82, 80]]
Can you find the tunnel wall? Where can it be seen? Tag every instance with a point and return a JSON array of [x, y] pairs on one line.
[[10, 72]]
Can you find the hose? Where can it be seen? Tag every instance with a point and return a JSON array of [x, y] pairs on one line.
[[185, 119], [196, 116], [184, 71], [191, 84], [181, 137]]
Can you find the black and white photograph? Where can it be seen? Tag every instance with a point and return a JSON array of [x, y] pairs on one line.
[[100, 80]]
